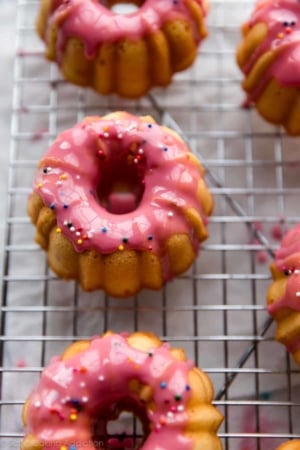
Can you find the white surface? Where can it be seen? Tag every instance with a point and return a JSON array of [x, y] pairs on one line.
[[7, 39], [226, 137]]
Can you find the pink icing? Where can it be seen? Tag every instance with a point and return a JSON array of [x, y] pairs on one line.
[[76, 178], [72, 393], [94, 24], [282, 18], [287, 260]]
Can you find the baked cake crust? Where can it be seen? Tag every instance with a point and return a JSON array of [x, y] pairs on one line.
[[268, 55], [135, 372], [125, 54], [79, 185]]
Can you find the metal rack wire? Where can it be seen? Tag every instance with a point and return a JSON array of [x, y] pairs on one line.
[[216, 311]]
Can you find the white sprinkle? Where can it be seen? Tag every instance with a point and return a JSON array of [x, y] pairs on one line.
[[65, 145], [298, 294], [77, 233], [296, 271], [66, 223], [135, 161], [77, 177], [170, 214], [131, 127], [106, 135], [72, 229], [101, 378], [170, 414], [120, 136], [180, 408], [82, 384], [59, 183], [85, 399], [140, 151], [37, 404]]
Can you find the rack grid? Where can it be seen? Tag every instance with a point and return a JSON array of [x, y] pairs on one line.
[[216, 311]]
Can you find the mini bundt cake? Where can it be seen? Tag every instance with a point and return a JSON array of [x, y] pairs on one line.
[[120, 203], [92, 382], [284, 293], [269, 56], [120, 53]]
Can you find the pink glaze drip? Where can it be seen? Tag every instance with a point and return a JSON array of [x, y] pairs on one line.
[[287, 259], [90, 384], [94, 24], [97, 150], [282, 18]]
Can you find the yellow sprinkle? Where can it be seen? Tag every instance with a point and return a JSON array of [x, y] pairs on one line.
[[73, 417], [280, 35], [79, 241], [58, 230], [40, 185], [121, 248], [63, 176], [63, 447]]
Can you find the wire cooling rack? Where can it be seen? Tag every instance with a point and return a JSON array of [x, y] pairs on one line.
[[216, 311]]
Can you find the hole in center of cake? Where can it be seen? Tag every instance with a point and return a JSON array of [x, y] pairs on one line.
[[124, 426], [122, 7], [121, 185]]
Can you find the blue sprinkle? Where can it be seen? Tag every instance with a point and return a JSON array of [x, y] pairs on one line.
[[163, 385], [150, 238], [52, 206], [187, 387], [104, 230], [166, 149], [149, 125], [66, 206], [72, 447], [265, 395]]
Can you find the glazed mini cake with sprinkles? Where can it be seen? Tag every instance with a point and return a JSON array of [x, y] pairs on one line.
[[95, 45], [92, 382], [283, 296], [269, 58], [120, 204]]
